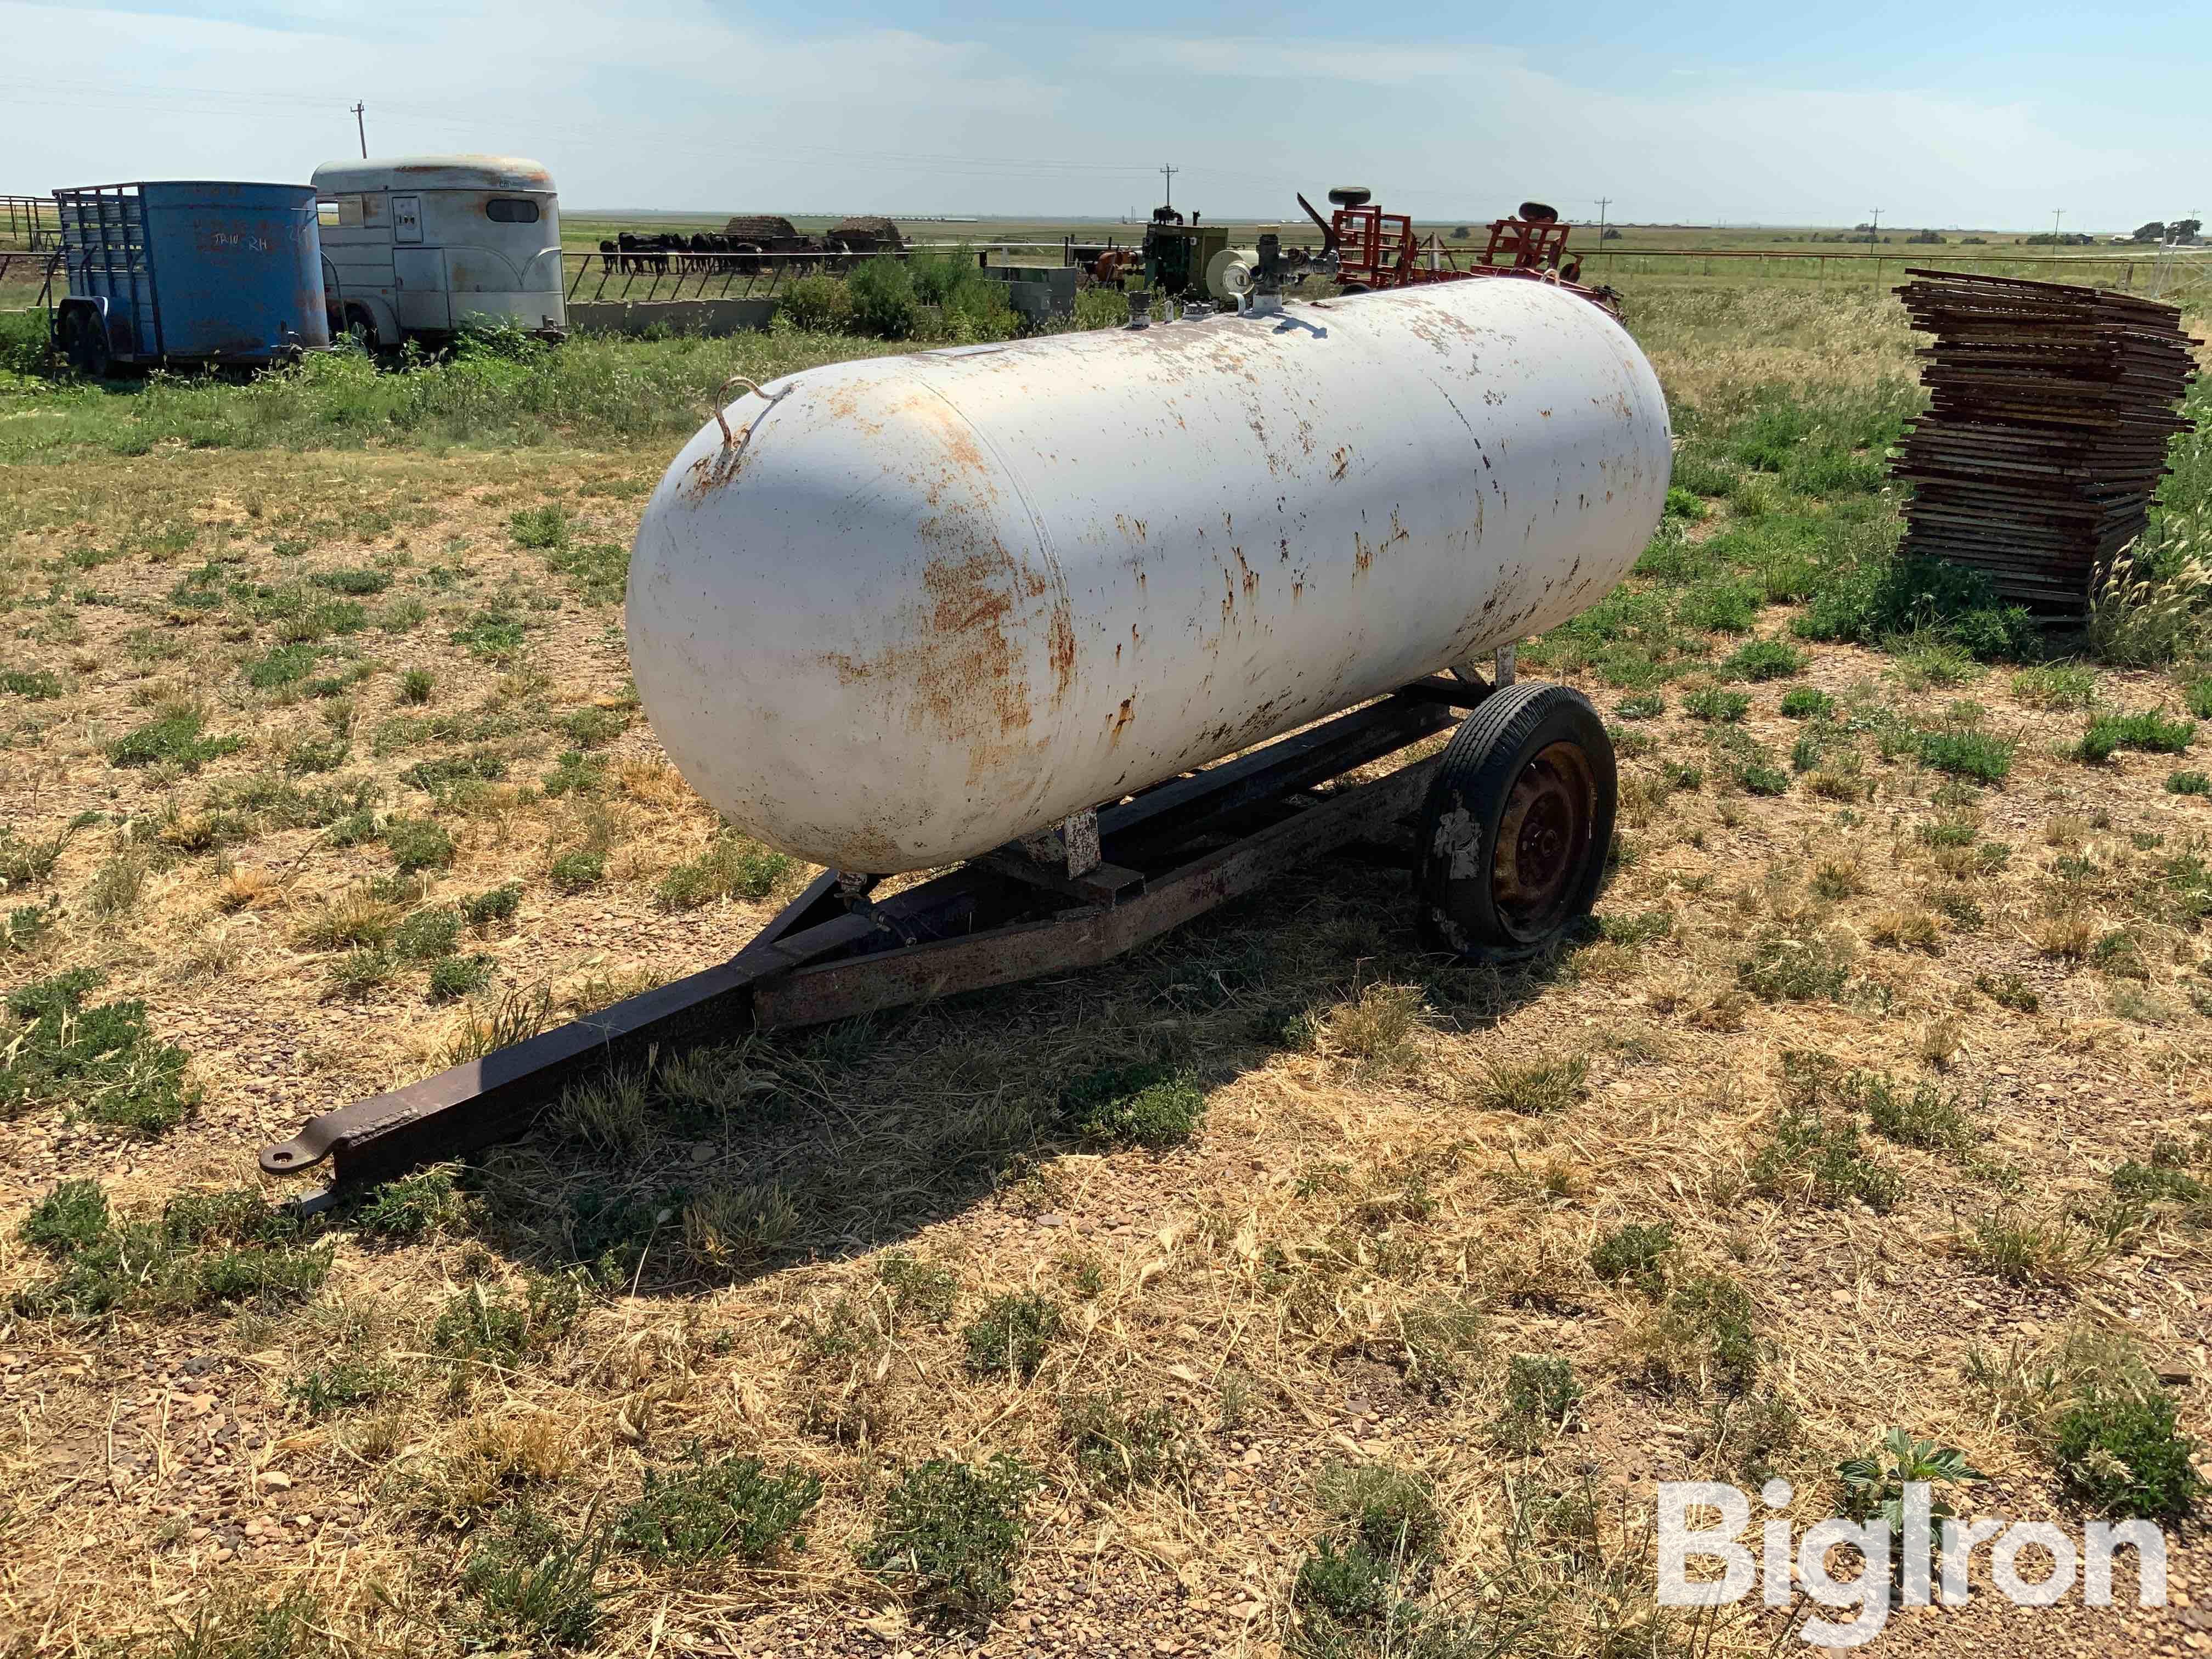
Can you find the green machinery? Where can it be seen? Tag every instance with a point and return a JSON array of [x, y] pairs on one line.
[[1176, 253]]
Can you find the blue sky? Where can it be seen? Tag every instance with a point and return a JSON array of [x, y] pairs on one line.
[[1954, 114]]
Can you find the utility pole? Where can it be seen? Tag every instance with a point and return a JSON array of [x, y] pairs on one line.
[[1603, 202], [361, 125], [1874, 233], [2057, 214], [1167, 174]]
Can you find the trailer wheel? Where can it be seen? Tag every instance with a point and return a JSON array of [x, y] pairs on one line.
[[1514, 830]]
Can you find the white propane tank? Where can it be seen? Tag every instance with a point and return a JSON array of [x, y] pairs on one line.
[[911, 608]]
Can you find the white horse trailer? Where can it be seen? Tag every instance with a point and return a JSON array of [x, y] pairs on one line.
[[422, 246]]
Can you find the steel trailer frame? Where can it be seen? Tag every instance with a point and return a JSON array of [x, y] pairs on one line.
[[1164, 857]]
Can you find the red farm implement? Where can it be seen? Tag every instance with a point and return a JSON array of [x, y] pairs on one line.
[[1373, 249]]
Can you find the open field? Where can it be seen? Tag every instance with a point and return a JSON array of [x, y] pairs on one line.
[[1278, 1289]]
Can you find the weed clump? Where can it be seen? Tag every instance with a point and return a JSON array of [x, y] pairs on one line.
[[1537, 1088], [488, 1326], [1010, 1337], [203, 1250], [1636, 1253], [1764, 659], [533, 1586], [413, 1207], [1146, 1104], [954, 1532], [1119, 1447], [1824, 1160], [341, 1384], [418, 844], [1784, 969], [2148, 731], [711, 1509], [2119, 1451]]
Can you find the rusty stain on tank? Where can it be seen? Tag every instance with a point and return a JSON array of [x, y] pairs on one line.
[[1343, 459], [958, 668], [1128, 713]]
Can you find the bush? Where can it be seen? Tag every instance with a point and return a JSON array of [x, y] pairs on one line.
[[2121, 1453], [1142, 1105], [1010, 1337], [713, 1510], [954, 1531], [883, 299], [817, 304], [2188, 783]]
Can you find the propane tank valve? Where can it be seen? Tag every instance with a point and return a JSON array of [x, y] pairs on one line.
[[1140, 309], [1266, 296]]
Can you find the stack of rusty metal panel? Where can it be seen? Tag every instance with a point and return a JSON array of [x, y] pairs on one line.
[[2050, 410]]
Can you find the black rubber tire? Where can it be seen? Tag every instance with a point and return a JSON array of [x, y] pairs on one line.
[[1497, 749], [97, 363]]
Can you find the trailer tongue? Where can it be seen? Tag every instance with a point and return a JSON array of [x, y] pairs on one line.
[[1165, 856]]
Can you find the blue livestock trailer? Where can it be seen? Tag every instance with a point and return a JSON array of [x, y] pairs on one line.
[[189, 273]]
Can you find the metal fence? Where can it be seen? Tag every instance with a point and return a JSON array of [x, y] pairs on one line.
[[647, 274], [29, 222]]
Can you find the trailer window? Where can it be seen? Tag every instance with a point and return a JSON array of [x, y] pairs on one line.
[[511, 211], [326, 213]]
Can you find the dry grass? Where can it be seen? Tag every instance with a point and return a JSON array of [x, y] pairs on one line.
[[781, 1250]]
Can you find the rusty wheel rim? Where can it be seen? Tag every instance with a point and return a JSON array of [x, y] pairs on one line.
[[1543, 841]]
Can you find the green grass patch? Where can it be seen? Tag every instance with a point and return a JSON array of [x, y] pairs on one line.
[[1763, 660], [731, 866], [177, 739], [2148, 731], [100, 1062], [1144, 1104], [1966, 753], [1715, 705], [202, 1250]]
